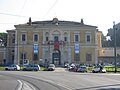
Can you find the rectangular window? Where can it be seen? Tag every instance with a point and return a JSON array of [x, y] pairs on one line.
[[88, 38], [35, 57], [56, 38], [47, 39], [76, 38], [13, 35], [36, 37], [13, 51], [23, 56], [12, 57], [23, 37], [65, 38], [13, 40], [88, 57]]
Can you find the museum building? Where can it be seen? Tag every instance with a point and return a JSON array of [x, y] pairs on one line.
[[54, 41]]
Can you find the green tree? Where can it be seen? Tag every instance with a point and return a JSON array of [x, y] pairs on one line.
[[3, 39], [112, 36], [105, 42]]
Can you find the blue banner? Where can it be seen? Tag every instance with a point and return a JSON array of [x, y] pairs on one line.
[[35, 47], [77, 48]]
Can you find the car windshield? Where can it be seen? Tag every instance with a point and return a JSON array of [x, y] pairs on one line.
[[97, 67], [83, 67], [13, 65], [51, 65]]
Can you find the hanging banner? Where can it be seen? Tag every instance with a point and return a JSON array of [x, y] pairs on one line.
[[56, 45], [35, 48], [77, 48]]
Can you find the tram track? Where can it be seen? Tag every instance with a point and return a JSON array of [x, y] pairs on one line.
[[34, 83]]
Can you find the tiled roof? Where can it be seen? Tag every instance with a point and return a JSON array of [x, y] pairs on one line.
[[60, 22]]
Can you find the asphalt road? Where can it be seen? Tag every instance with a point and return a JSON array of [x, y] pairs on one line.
[[64, 80], [12, 82], [8, 83]]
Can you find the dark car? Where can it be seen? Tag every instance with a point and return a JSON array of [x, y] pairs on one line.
[[32, 67], [82, 69]]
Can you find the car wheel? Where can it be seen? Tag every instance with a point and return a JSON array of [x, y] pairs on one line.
[[36, 69], [24, 69], [6, 69], [15, 69], [93, 71]]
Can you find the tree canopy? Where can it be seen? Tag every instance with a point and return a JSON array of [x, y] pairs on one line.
[[110, 42], [3, 39]]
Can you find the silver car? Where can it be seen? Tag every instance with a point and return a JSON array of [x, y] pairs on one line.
[[13, 67], [82, 69], [99, 69], [32, 67]]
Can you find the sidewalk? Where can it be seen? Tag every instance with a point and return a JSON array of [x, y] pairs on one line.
[[60, 69]]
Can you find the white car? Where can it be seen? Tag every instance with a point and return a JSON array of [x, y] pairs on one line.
[[66, 65], [98, 69], [13, 67], [51, 67]]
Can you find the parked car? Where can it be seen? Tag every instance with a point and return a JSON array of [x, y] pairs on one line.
[[66, 65], [76, 67], [32, 67], [72, 67], [13, 67], [99, 69], [82, 69], [51, 67]]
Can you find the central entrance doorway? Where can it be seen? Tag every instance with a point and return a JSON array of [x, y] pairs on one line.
[[56, 57]]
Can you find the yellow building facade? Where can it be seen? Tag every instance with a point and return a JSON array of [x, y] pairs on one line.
[[56, 41]]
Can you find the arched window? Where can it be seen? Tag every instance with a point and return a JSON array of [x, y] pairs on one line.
[[36, 37], [65, 36], [46, 36], [56, 35]]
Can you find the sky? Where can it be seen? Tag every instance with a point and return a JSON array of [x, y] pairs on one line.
[[100, 13]]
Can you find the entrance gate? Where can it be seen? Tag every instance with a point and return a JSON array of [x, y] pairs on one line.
[[56, 57]]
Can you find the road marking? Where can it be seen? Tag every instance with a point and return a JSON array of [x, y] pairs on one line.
[[56, 83], [59, 84], [64, 86], [23, 85], [20, 85], [28, 86]]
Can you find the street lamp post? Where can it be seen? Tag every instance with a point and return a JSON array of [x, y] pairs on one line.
[[115, 47]]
